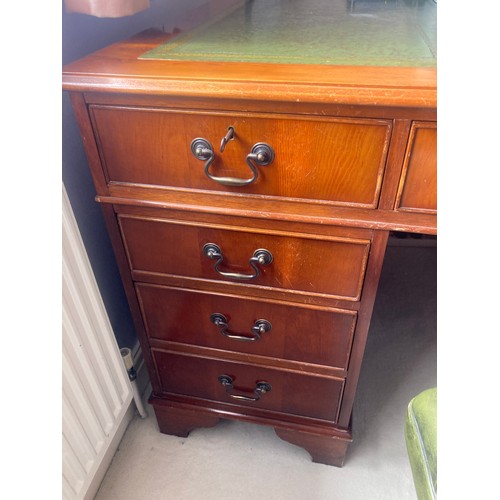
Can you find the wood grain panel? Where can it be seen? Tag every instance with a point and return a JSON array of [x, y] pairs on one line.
[[418, 185], [336, 160], [292, 393], [295, 106], [300, 262], [312, 335], [276, 210]]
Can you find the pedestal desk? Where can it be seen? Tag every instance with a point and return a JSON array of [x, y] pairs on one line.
[[249, 173]]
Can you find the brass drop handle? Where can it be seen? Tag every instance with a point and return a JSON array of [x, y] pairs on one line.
[[261, 256], [261, 155], [259, 327], [260, 389]]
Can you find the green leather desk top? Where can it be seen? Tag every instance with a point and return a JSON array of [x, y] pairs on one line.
[[334, 32]]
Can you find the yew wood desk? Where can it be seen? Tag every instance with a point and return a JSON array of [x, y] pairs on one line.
[[249, 190]]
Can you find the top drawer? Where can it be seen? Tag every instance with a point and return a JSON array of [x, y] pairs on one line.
[[334, 160]]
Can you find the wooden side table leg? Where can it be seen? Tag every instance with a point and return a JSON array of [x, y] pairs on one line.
[[328, 449], [180, 421]]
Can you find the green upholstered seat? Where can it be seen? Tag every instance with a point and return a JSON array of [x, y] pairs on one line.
[[421, 442]]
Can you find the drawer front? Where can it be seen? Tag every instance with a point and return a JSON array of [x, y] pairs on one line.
[[311, 335], [418, 185], [289, 392], [335, 160], [300, 263]]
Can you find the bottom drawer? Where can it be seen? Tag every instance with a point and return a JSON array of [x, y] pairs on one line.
[[240, 384]]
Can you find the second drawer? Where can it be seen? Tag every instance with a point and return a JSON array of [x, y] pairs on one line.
[[316, 335], [297, 263]]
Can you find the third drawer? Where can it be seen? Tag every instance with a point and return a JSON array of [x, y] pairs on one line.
[[310, 335]]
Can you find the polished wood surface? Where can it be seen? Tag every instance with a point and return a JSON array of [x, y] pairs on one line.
[[313, 335], [180, 422], [328, 449], [376, 260], [294, 393], [418, 186], [302, 263], [279, 210], [153, 147], [233, 200], [355, 158]]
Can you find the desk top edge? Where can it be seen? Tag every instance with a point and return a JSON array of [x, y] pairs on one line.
[[118, 69]]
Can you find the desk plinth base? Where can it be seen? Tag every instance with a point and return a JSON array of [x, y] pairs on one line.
[[326, 444], [324, 448]]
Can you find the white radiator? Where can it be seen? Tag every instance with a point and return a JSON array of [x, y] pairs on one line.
[[97, 394]]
